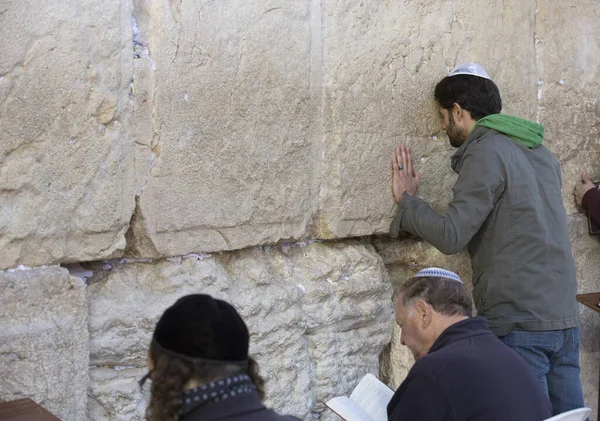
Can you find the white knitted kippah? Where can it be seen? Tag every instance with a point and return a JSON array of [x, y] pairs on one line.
[[471, 69], [440, 273]]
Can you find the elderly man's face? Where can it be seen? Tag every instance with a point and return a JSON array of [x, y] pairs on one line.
[[413, 323]]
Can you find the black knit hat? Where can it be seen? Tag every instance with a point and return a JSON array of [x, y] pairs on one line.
[[199, 326]]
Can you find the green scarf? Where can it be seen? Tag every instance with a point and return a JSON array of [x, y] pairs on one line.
[[525, 132]]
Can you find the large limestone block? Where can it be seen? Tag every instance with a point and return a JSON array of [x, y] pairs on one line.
[[115, 395], [586, 251], [318, 314], [232, 126], [396, 360], [568, 50], [44, 340], [403, 258], [381, 63], [65, 157]]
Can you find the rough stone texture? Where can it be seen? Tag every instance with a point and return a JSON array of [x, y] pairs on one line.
[[65, 157], [245, 123], [381, 63], [568, 46], [586, 251], [43, 340], [403, 259], [319, 316], [231, 121], [115, 395]]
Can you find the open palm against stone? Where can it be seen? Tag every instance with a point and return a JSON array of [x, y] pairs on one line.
[[404, 178]]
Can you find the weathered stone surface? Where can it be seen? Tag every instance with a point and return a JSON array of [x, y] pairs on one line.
[[396, 360], [319, 315], [586, 251], [115, 395], [568, 49], [44, 340], [381, 63], [65, 156], [232, 115], [402, 260]]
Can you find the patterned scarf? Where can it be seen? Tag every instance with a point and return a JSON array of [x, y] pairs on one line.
[[215, 391]]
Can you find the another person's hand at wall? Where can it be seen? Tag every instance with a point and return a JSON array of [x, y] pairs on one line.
[[588, 197], [405, 178], [582, 188]]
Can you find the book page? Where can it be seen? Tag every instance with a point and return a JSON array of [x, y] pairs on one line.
[[373, 396], [348, 409]]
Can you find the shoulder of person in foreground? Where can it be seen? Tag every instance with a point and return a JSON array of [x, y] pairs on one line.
[[421, 396]]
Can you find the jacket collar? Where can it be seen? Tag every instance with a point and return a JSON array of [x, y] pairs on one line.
[[241, 404], [473, 326], [477, 133]]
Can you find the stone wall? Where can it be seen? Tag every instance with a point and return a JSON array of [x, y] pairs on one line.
[[184, 146], [323, 310]]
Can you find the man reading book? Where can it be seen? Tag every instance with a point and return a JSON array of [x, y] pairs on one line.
[[463, 372]]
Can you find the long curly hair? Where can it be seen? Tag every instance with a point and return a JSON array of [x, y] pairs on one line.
[[171, 374]]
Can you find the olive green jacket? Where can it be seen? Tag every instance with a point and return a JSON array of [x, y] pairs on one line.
[[508, 210]]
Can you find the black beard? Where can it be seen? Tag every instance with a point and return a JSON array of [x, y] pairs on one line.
[[456, 136]]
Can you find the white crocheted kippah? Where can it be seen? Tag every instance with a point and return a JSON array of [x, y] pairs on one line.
[[470, 69], [437, 272]]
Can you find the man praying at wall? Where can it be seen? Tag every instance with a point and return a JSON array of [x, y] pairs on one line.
[[463, 372], [507, 209]]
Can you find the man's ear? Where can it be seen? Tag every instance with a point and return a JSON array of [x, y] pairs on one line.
[[457, 112], [460, 114], [424, 313]]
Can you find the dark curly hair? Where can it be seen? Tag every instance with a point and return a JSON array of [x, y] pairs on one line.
[[172, 373], [479, 96]]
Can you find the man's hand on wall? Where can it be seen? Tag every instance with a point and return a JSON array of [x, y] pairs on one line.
[[582, 188], [404, 178]]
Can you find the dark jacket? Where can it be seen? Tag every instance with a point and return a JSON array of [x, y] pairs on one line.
[[507, 207], [470, 375], [244, 407], [591, 203]]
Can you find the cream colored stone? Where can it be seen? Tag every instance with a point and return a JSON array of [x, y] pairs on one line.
[[232, 116], [403, 258], [65, 152], [568, 50], [44, 340], [381, 63], [115, 395], [396, 361], [319, 315]]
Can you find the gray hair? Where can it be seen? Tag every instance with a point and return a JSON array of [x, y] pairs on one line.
[[446, 296]]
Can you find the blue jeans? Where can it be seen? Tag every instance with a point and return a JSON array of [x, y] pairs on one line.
[[554, 357]]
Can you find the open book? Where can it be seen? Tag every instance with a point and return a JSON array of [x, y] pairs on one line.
[[368, 401]]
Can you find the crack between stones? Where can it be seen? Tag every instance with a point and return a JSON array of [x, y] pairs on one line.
[[316, 225], [137, 237]]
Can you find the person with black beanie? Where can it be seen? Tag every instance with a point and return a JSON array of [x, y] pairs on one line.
[[200, 368]]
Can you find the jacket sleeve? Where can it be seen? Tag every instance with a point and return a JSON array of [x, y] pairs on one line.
[[479, 185], [591, 203], [423, 399]]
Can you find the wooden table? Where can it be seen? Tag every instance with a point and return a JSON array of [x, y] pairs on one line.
[[24, 410], [592, 301]]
